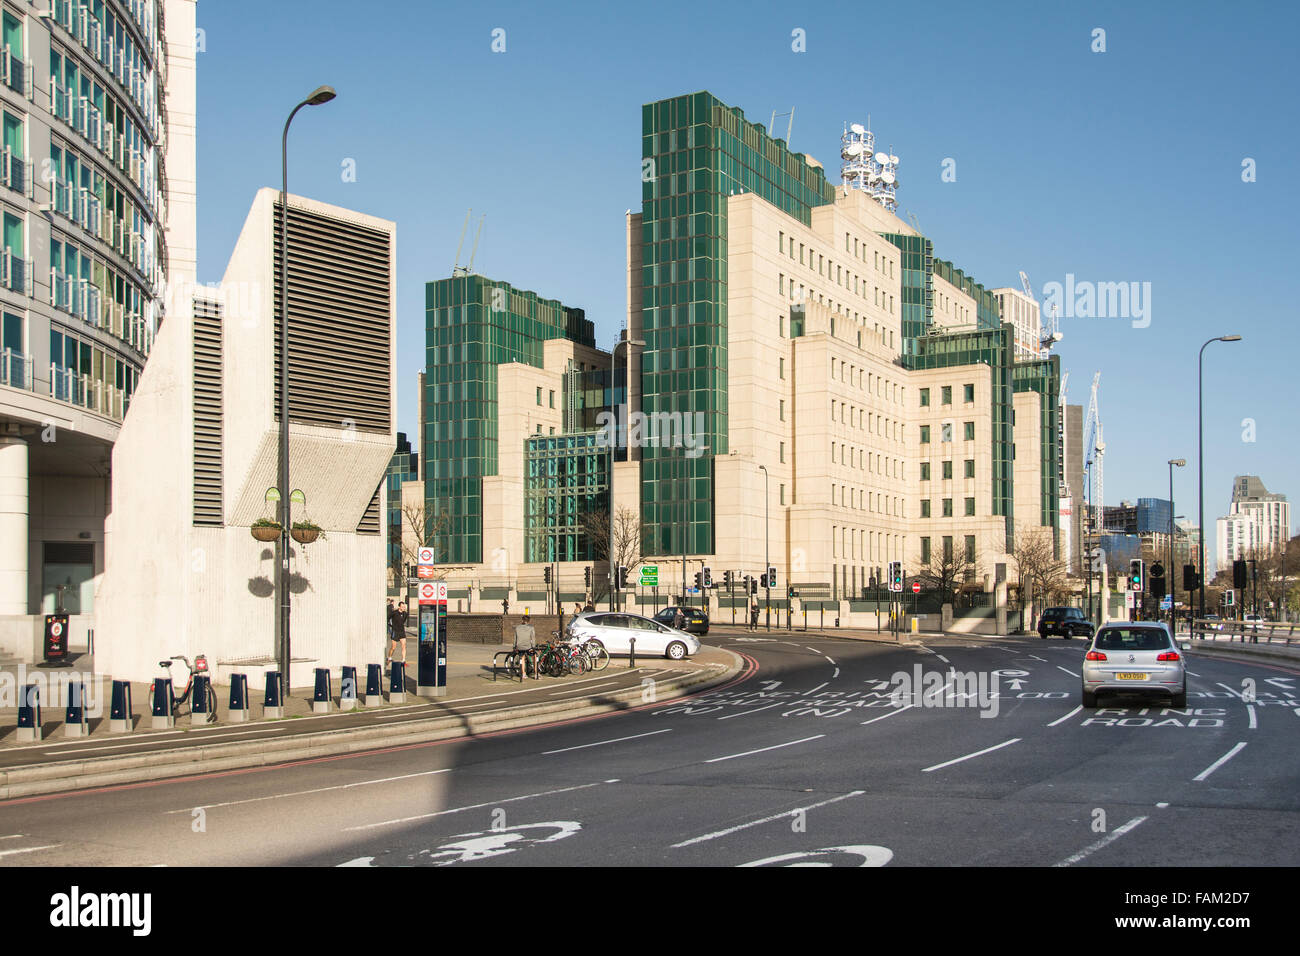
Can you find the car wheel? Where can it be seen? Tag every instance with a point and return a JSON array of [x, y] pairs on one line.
[[1180, 700], [1089, 699], [676, 651]]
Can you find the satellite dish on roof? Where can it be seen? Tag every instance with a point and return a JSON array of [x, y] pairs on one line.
[[858, 128], [893, 160], [887, 176], [882, 159]]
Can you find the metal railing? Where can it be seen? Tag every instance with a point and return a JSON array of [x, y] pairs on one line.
[[1246, 632], [16, 370]]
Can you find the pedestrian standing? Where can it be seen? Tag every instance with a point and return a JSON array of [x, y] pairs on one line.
[[398, 628], [753, 613]]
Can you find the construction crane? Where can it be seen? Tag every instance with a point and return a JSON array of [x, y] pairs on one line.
[[456, 268], [1095, 449]]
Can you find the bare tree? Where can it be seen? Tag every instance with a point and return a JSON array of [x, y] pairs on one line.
[[1042, 573], [946, 571], [627, 544], [417, 532]]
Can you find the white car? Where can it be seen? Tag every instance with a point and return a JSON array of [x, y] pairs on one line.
[[615, 630], [1253, 621]]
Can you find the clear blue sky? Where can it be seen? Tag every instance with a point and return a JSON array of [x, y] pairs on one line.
[[1117, 166]]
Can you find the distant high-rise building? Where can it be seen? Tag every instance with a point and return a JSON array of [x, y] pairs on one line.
[[1258, 522]]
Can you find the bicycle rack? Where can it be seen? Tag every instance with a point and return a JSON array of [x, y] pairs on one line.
[[29, 715], [374, 685], [164, 702], [238, 711], [119, 712], [273, 706], [74, 718], [321, 702], [348, 689], [397, 684], [199, 714]]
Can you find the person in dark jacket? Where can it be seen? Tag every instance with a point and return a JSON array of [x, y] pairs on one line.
[[397, 631]]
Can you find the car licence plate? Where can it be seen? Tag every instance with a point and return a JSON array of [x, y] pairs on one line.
[[1131, 676]]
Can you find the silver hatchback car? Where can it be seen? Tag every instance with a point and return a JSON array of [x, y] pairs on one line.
[[1137, 658], [615, 632]]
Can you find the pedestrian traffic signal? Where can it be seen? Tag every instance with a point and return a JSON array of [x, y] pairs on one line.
[[586, 577], [1136, 575], [708, 577], [1239, 573], [547, 573], [1191, 579]]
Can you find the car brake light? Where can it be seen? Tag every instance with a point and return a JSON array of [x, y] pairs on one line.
[[1095, 656], [1168, 656]]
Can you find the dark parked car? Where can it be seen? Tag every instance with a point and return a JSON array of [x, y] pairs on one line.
[[697, 621], [1064, 622]]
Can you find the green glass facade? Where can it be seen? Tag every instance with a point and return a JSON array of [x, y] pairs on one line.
[[565, 477], [1044, 377], [404, 466], [992, 347], [472, 325], [917, 280], [696, 151], [988, 315]]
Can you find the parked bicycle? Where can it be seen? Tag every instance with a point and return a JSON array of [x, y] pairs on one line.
[[181, 696]]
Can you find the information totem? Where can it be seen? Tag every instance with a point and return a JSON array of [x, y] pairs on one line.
[[431, 680]]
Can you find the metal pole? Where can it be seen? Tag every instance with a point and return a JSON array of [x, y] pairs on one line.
[[767, 560], [613, 575], [1200, 453], [1173, 578]]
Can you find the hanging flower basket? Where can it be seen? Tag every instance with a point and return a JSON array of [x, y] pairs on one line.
[[265, 529], [305, 532]]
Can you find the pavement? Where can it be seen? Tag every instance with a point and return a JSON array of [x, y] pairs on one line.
[[477, 701]]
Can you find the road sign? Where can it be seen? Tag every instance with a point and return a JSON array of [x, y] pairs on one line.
[[428, 592], [916, 587], [425, 571], [425, 556], [650, 575], [1167, 602]]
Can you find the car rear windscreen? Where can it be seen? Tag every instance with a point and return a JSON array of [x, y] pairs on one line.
[[1132, 639]]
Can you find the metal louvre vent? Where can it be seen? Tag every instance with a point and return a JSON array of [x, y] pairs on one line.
[[339, 314], [207, 413], [369, 523]]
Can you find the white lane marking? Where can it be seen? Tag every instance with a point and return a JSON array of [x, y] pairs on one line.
[[890, 714], [1250, 709], [836, 674], [754, 823], [760, 750], [1043, 659], [142, 743], [1236, 693], [1220, 762], [754, 710], [978, 753], [601, 743], [1061, 720], [1162, 805], [829, 658], [478, 806], [30, 849], [1193, 674], [303, 793], [942, 658], [569, 690], [12, 836], [816, 689], [1071, 673], [1104, 841]]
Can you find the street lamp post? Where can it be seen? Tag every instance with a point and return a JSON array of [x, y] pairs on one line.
[[613, 447], [1173, 579], [322, 94], [767, 561], [1200, 456]]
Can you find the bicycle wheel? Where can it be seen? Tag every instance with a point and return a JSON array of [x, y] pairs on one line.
[[577, 662], [597, 656], [212, 704]]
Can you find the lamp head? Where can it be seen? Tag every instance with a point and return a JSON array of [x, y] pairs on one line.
[[1180, 462], [322, 94], [1230, 338]]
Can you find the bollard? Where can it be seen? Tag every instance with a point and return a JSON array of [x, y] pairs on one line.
[[397, 684], [273, 706], [348, 689], [631, 659], [915, 626], [320, 701], [238, 699], [29, 715], [199, 713], [119, 711], [74, 718], [164, 703], [374, 685]]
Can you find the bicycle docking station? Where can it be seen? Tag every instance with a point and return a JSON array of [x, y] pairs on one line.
[[239, 709], [199, 713], [320, 701], [273, 705], [74, 718], [29, 715], [163, 704], [119, 709], [348, 689], [431, 673], [397, 684], [374, 685]]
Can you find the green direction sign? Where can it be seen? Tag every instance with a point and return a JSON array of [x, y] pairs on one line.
[[650, 575]]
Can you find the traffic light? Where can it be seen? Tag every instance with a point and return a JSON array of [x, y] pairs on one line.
[[1137, 575], [1157, 580], [1191, 579], [1239, 573], [753, 585], [623, 572], [762, 580], [896, 575], [771, 577], [1229, 598], [708, 577], [698, 578], [547, 574], [586, 577], [728, 579]]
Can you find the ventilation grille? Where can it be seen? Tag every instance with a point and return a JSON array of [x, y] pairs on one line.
[[369, 523], [207, 413], [339, 322]]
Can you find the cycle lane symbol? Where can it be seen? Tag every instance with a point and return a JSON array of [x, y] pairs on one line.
[[485, 844]]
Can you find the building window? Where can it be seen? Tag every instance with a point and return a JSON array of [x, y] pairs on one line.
[[947, 507], [925, 507], [970, 549], [970, 467], [947, 549], [539, 395], [552, 398], [782, 452], [925, 434], [946, 432], [925, 550], [947, 394], [782, 500], [782, 366], [925, 471], [947, 470], [970, 507], [782, 409], [970, 431], [925, 397], [968, 393]]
